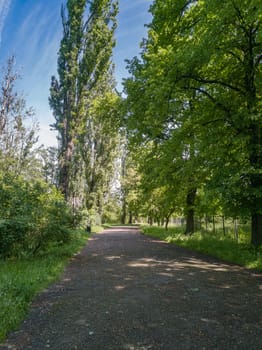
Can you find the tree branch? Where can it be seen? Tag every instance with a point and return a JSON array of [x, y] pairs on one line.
[[214, 81]]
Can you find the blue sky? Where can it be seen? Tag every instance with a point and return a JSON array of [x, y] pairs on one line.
[[31, 30]]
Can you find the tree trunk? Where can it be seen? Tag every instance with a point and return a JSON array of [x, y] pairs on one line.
[[200, 223], [214, 224], [255, 136], [167, 222], [223, 224], [190, 203], [190, 227], [236, 230], [123, 216], [65, 163], [256, 229], [130, 221]]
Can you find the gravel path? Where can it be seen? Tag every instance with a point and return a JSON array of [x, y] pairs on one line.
[[127, 291]]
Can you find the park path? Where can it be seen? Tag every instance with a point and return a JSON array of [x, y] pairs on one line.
[[127, 291]]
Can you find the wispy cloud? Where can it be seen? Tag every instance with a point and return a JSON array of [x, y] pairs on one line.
[[37, 42], [4, 9]]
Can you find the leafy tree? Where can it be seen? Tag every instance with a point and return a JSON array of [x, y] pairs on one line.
[[49, 160], [129, 186], [200, 80], [33, 213], [99, 143], [18, 137], [226, 81]]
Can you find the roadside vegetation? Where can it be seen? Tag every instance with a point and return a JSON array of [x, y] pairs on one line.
[[21, 279]]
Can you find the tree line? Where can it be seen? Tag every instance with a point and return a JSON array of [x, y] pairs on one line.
[[183, 140], [46, 192]]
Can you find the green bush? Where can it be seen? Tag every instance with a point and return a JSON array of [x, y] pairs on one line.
[[32, 214], [13, 234]]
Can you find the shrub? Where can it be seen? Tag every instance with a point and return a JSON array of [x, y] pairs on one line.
[[32, 214]]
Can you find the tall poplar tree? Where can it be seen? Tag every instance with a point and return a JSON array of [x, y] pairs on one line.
[[84, 58]]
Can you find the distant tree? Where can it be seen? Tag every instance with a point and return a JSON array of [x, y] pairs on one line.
[[49, 160], [18, 129], [98, 146]]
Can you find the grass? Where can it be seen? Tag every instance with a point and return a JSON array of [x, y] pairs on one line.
[[22, 279], [217, 245]]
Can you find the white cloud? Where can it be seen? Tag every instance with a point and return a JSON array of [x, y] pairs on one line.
[[4, 9]]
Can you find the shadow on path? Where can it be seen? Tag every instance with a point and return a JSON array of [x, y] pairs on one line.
[[127, 291]]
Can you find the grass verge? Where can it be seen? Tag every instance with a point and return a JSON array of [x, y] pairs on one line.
[[21, 280], [217, 245]]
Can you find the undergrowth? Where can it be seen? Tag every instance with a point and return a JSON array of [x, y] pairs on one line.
[[217, 245]]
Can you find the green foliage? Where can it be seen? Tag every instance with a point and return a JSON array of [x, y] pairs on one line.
[[18, 129], [130, 195], [83, 101], [193, 101], [111, 211], [99, 145], [32, 214], [217, 245], [21, 280]]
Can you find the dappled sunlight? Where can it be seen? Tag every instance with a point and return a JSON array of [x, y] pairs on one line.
[[137, 347], [171, 265], [177, 271], [67, 280], [139, 264], [226, 286], [204, 265], [160, 242], [209, 321], [120, 287], [111, 258], [167, 274], [128, 278], [122, 229]]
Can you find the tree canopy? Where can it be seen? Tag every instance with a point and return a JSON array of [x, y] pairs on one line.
[[196, 94]]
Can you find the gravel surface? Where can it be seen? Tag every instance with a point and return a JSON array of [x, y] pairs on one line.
[[127, 291]]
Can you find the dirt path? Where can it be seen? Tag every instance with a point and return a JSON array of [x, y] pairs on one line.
[[127, 291]]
